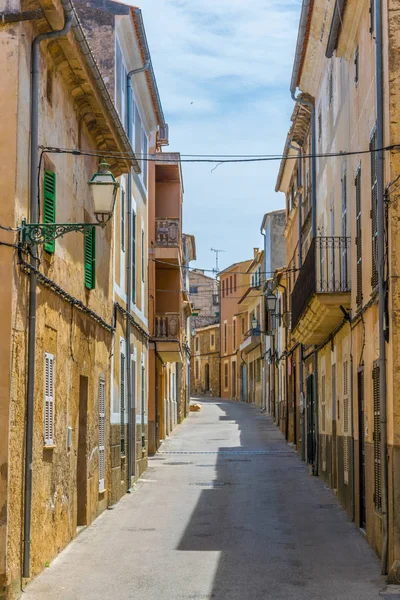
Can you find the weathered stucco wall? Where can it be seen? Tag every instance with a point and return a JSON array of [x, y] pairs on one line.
[[65, 478]]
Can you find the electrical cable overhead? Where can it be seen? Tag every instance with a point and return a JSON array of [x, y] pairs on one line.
[[176, 267], [163, 158]]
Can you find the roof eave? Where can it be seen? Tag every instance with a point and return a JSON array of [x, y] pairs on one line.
[[301, 46]]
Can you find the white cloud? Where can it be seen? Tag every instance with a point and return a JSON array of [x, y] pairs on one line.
[[223, 69]]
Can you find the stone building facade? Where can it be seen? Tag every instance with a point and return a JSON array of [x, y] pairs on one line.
[[204, 294], [341, 346], [205, 361], [113, 30], [68, 367]]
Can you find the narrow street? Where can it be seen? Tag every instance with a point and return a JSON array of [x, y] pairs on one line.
[[225, 511]]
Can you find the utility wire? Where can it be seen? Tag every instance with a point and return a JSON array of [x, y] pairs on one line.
[[160, 158], [163, 262]]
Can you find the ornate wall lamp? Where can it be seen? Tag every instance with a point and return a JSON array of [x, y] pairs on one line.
[[271, 300], [103, 186]]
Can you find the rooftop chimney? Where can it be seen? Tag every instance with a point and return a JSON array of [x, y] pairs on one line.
[[256, 251]]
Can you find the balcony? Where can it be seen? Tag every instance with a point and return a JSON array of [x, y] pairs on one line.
[[167, 326], [321, 288], [167, 337], [251, 340], [168, 239]]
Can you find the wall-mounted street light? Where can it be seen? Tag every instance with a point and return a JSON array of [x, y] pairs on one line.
[[271, 303], [104, 191], [272, 300], [103, 186]]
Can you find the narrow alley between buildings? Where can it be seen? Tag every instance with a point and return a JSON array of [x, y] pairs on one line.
[[226, 510]]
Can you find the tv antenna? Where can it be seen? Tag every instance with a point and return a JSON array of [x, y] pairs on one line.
[[216, 270]]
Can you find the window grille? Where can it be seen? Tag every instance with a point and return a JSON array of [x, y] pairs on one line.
[[377, 439], [346, 421], [48, 399], [323, 421], [122, 401], [102, 433]]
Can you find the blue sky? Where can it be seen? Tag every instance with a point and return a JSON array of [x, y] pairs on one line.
[[223, 70]]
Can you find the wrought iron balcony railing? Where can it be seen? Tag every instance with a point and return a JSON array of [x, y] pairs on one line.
[[168, 232], [325, 271], [168, 326]]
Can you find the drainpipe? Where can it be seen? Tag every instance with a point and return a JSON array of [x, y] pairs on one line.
[[264, 234], [33, 215], [381, 282], [131, 408]]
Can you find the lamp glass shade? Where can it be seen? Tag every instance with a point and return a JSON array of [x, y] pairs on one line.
[[254, 323], [104, 189], [271, 302]]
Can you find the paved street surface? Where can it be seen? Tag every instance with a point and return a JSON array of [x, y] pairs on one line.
[[227, 511]]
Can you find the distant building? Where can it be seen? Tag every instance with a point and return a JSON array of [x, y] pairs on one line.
[[233, 280], [205, 361], [204, 294], [252, 322]]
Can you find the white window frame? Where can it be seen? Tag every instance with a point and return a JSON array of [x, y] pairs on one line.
[[120, 97], [145, 150], [122, 222], [48, 417]]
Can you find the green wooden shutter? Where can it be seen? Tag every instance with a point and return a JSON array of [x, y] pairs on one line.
[[377, 438], [90, 259], [49, 204]]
